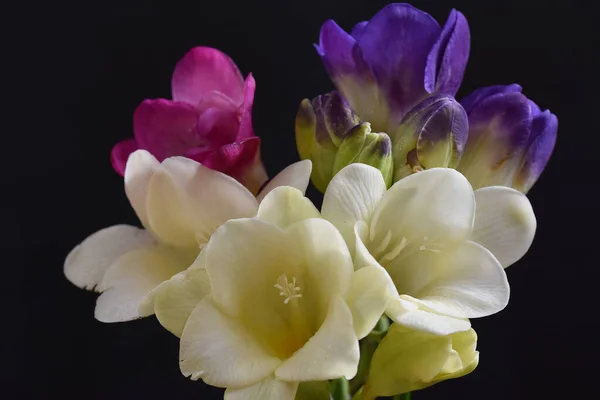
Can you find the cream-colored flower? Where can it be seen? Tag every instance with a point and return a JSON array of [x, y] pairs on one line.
[[444, 256], [408, 360], [282, 303], [180, 203]]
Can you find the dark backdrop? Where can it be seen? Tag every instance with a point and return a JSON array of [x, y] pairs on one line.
[[77, 72]]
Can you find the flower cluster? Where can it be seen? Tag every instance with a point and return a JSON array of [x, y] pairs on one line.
[[371, 295]]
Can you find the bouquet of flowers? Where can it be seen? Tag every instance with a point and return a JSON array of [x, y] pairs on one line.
[[424, 207]]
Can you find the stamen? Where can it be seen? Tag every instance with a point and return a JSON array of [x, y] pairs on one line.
[[288, 289], [390, 255]]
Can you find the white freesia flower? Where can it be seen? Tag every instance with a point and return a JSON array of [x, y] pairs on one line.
[[280, 304], [180, 203], [442, 245]]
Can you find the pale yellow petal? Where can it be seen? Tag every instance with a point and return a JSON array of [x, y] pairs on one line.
[[87, 263], [331, 353], [352, 195], [175, 299], [220, 351], [286, 205], [140, 167], [504, 223], [187, 202], [434, 206], [296, 175], [129, 280], [406, 312], [266, 389], [470, 284], [369, 293]]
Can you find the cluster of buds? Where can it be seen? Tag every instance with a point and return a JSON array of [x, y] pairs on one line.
[[331, 135]]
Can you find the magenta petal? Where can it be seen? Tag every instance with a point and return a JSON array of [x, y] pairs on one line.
[[165, 128], [203, 70], [245, 130], [120, 153], [238, 160], [217, 127]]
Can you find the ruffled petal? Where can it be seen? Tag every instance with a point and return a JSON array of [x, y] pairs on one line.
[[241, 161], [245, 129], [165, 128], [120, 153], [268, 388], [129, 280], [203, 70], [87, 263]]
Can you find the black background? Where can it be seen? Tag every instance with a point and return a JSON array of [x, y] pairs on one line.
[[77, 72]]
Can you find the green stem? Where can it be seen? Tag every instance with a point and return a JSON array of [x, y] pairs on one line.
[[340, 389], [405, 396]]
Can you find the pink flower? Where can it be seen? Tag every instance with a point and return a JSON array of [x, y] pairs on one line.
[[209, 120]]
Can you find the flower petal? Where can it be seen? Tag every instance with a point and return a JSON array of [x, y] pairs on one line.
[[405, 311], [545, 129], [187, 202], [328, 268], [396, 43], [358, 30], [268, 388], [368, 297], [87, 263], [141, 166], [352, 195], [244, 259], [331, 353], [499, 132], [203, 70], [295, 175], [245, 130], [436, 205], [241, 161], [130, 279], [165, 128], [473, 99], [470, 284], [175, 299], [120, 153], [286, 205], [504, 223], [216, 349], [448, 58]]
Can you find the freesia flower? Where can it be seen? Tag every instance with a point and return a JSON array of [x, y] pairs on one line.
[[510, 138], [409, 360], [385, 66], [443, 254], [284, 305], [180, 203], [209, 120]]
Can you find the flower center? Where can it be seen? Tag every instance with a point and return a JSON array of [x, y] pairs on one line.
[[287, 289], [387, 251]]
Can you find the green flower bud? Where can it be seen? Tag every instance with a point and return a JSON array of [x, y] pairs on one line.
[[321, 125], [360, 145]]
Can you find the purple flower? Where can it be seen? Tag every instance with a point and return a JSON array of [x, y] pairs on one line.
[[510, 138], [387, 65]]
